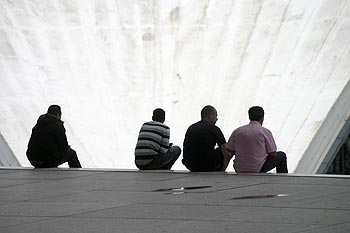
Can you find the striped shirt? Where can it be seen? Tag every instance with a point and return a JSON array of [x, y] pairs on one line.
[[153, 140]]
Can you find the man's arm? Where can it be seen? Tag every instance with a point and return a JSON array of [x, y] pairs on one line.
[[230, 144], [164, 143], [272, 153], [270, 144], [61, 137], [231, 151], [227, 156]]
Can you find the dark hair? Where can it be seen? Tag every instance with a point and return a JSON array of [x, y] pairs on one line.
[[158, 115], [256, 113], [54, 109], [207, 110]]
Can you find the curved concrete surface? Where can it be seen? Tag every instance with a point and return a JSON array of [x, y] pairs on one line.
[[109, 63], [7, 158]]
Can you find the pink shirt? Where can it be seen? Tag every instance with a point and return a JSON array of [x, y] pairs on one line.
[[251, 144]]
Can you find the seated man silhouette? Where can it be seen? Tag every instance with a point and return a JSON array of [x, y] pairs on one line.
[[200, 154], [153, 150], [254, 146], [48, 146]]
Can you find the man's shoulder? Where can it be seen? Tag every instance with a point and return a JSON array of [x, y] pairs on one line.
[[242, 127], [259, 127], [155, 124], [204, 125], [46, 120], [194, 125], [266, 130]]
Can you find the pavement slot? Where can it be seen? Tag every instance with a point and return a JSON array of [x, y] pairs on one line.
[[181, 190], [259, 196]]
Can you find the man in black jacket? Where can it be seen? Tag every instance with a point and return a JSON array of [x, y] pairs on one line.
[[48, 146]]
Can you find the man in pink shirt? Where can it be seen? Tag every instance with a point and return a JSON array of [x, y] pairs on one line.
[[254, 147]]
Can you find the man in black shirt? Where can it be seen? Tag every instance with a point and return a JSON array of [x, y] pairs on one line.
[[199, 153], [48, 146]]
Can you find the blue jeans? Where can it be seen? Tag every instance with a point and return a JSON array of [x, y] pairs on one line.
[[163, 161]]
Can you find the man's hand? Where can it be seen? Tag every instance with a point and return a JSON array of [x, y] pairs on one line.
[[227, 156], [272, 153]]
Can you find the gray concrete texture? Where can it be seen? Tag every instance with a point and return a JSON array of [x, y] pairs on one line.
[[73, 200]]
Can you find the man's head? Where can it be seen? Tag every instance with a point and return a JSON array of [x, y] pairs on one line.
[[209, 114], [256, 113], [158, 115], [55, 110]]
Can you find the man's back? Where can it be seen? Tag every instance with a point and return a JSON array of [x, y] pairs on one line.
[[199, 143], [251, 144], [153, 140], [48, 146], [48, 136], [153, 150]]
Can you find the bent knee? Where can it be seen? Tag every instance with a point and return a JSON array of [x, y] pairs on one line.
[[281, 154], [177, 149]]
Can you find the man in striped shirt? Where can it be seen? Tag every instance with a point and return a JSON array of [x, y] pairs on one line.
[[153, 150]]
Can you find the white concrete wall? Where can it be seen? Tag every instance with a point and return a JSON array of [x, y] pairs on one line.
[[326, 135], [109, 63], [7, 158]]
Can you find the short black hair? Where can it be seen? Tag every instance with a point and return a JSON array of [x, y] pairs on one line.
[[256, 113], [207, 110], [54, 109], [158, 115]]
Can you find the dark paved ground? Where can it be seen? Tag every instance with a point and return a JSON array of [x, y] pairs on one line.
[[63, 200]]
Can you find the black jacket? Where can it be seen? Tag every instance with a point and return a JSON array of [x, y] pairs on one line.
[[47, 139]]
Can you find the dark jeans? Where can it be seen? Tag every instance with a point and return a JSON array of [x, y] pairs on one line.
[[279, 161], [163, 161], [69, 156], [210, 164]]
